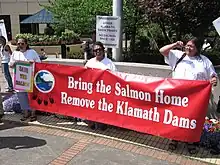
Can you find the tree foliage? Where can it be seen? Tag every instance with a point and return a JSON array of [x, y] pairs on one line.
[[152, 23], [79, 15], [182, 17]]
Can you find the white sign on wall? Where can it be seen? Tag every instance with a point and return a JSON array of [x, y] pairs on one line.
[[3, 30], [108, 30]]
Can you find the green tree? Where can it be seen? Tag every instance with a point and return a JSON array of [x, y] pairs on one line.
[[133, 20], [180, 17], [78, 15]]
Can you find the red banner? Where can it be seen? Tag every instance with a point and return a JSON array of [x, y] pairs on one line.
[[174, 109]]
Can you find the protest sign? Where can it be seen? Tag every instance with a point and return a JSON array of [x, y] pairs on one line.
[[216, 24], [174, 109], [108, 30], [23, 77]]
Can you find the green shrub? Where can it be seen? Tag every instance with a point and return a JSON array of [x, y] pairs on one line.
[[75, 54], [69, 36], [43, 40], [144, 53], [213, 55]]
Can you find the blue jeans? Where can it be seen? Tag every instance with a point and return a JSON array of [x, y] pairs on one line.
[[5, 69], [23, 100]]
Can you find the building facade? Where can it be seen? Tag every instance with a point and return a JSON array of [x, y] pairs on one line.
[[15, 11]]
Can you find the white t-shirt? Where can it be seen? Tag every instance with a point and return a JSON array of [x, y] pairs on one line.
[[5, 55], [190, 68], [105, 64], [29, 55]]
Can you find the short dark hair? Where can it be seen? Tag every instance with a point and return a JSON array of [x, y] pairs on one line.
[[99, 44]]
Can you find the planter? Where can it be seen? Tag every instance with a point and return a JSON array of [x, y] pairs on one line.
[[55, 49], [52, 50]]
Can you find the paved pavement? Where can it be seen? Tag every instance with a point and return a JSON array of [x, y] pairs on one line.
[[19, 147], [96, 154], [31, 145]]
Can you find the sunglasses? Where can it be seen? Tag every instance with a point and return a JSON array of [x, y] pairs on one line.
[[97, 50], [20, 43]]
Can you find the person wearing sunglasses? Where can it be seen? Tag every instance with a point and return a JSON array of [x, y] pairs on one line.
[[100, 61], [188, 64], [24, 53], [6, 52]]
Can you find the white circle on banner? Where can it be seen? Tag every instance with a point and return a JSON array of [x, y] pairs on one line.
[[44, 81]]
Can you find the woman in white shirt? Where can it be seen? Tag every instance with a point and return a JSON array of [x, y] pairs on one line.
[[25, 54], [189, 65], [5, 57]]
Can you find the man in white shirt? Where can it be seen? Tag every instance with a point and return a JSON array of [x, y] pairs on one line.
[[100, 61]]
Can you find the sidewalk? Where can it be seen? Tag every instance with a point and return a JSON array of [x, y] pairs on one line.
[[128, 140], [21, 144], [116, 140]]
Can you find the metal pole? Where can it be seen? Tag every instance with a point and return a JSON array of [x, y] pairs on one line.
[[118, 11]]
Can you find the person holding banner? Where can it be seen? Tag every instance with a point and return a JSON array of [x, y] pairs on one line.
[[5, 56], [100, 61], [24, 54], [188, 64]]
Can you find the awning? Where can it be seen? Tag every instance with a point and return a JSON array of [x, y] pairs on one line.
[[42, 17]]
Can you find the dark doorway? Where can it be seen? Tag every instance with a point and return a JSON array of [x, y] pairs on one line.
[[27, 28], [7, 21]]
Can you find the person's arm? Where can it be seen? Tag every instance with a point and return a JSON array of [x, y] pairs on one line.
[[113, 67], [212, 74], [36, 57], [2, 55], [87, 64], [1, 52], [12, 61], [166, 49]]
